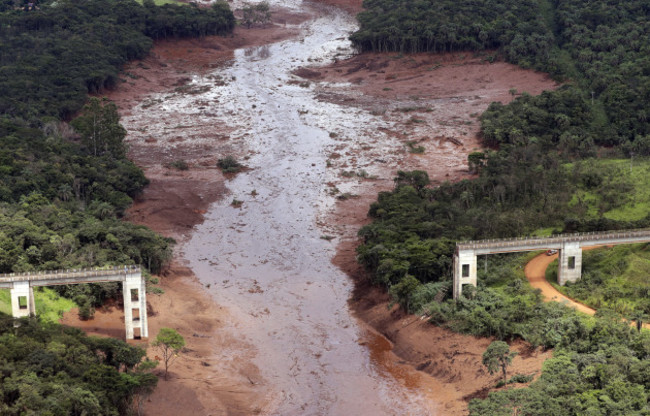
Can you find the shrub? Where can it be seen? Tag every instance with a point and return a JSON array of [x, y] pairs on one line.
[[229, 165], [179, 164]]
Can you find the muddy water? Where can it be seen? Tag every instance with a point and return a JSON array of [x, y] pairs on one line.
[[265, 259]]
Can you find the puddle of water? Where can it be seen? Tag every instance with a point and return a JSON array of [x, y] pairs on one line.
[[266, 261]]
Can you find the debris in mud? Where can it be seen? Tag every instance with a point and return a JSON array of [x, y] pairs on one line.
[[256, 288], [192, 89], [307, 73], [151, 102], [229, 164]]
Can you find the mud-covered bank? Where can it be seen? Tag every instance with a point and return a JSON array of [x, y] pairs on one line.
[[432, 101], [202, 381], [281, 340]]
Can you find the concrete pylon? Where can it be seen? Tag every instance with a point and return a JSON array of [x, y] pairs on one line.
[[464, 270], [135, 305], [22, 300], [570, 263]]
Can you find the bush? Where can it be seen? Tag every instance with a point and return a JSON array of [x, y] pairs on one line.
[[179, 165], [229, 165]]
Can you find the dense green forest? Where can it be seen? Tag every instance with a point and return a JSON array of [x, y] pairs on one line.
[[552, 165], [48, 369], [545, 166], [65, 183], [600, 46], [54, 56]]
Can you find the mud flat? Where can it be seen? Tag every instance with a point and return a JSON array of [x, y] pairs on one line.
[[432, 101], [254, 290]]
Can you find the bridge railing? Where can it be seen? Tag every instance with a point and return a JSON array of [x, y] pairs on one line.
[[553, 239], [69, 273]]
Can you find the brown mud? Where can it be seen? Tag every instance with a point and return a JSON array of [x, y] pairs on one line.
[[426, 100], [201, 381], [434, 101]]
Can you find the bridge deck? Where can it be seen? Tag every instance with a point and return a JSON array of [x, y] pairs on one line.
[[63, 277], [555, 241]]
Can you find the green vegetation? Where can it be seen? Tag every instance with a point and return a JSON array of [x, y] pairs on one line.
[[64, 189], [258, 13], [169, 343], [555, 163], [615, 278], [601, 46], [444, 26], [179, 165], [50, 305], [415, 227], [629, 175], [54, 56], [601, 365], [229, 164], [498, 357], [50, 369]]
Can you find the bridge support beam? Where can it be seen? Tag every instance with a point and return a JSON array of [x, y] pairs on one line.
[[135, 306], [464, 270], [570, 263], [22, 300]]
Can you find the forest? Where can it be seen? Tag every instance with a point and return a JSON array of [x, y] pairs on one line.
[[53, 57], [48, 369], [559, 162], [65, 183]]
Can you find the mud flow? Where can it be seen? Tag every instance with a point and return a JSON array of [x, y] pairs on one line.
[[260, 252], [317, 149]]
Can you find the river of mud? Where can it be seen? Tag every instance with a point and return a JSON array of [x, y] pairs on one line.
[[266, 259], [317, 150]]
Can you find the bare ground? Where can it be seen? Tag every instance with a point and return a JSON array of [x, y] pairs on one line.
[[446, 92], [206, 379], [431, 101]]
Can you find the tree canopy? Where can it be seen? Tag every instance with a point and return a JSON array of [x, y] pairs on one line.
[[544, 170], [53, 56], [51, 369]]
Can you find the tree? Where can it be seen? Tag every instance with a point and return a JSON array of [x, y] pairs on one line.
[[169, 343], [258, 13], [639, 316], [498, 355], [418, 179], [403, 291], [100, 128]]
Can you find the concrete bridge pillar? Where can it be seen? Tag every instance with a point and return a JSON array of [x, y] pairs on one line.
[[135, 306], [570, 262], [464, 270], [22, 300]]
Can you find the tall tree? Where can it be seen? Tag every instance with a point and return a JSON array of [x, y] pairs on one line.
[[100, 129], [169, 343], [498, 356]]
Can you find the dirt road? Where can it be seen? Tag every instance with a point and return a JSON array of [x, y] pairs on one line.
[[535, 272]]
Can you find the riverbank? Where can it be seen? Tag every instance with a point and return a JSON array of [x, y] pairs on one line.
[[432, 102], [205, 379], [219, 373]]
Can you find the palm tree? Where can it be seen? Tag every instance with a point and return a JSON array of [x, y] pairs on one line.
[[64, 192], [639, 316]]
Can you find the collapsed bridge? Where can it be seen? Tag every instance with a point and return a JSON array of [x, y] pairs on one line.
[[569, 247], [21, 286]]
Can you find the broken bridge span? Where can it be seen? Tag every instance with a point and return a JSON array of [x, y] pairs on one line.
[[21, 286], [569, 247]]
